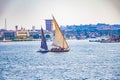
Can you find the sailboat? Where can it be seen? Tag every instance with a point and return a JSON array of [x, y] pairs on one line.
[[43, 47], [59, 42]]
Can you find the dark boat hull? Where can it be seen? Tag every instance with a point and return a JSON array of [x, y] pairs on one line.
[[43, 51], [59, 50]]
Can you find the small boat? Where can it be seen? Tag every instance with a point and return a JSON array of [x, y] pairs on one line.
[[59, 41], [4, 40], [43, 47]]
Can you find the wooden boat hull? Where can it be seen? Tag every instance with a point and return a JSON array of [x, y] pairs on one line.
[[59, 50]]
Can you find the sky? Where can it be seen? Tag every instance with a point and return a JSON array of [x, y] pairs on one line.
[[28, 13]]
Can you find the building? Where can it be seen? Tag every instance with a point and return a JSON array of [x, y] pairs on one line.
[[34, 34], [16, 28], [2, 33], [33, 28], [9, 34], [22, 34], [49, 25]]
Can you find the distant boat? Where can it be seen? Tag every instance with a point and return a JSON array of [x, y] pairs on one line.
[[4, 40], [59, 42], [43, 47]]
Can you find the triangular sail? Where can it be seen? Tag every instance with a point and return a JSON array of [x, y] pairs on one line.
[[43, 41], [59, 39]]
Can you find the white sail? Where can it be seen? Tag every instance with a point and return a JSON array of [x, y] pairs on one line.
[[59, 39]]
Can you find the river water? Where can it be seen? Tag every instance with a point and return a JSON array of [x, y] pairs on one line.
[[85, 61]]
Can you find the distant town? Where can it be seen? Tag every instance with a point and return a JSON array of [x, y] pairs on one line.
[[111, 32]]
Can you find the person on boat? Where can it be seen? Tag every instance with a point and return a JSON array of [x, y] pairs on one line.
[[53, 49], [61, 48]]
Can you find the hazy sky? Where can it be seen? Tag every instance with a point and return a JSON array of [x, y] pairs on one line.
[[28, 13]]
